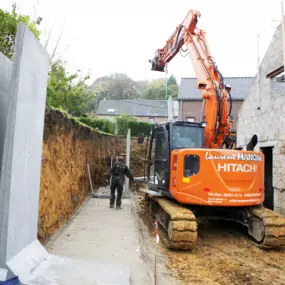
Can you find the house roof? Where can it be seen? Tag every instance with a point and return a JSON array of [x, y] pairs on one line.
[[240, 88], [136, 107]]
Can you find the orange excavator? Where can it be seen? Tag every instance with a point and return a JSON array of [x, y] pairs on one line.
[[193, 172]]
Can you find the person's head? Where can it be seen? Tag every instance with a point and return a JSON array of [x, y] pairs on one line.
[[120, 159]]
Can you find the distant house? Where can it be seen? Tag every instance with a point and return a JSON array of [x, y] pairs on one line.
[[151, 111], [190, 100]]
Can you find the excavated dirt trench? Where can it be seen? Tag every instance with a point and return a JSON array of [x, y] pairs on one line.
[[67, 148], [224, 255]]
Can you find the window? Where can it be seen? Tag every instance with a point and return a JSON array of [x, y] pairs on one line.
[[191, 165], [279, 77], [190, 119], [277, 82], [151, 120], [187, 137]]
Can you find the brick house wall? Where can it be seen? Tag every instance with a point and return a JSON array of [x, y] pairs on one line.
[[192, 109]]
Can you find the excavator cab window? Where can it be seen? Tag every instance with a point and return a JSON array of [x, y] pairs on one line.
[[165, 138], [187, 136]]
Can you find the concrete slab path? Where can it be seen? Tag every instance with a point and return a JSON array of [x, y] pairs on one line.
[[101, 234]]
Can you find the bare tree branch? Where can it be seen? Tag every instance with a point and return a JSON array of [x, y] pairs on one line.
[[49, 35], [56, 46]]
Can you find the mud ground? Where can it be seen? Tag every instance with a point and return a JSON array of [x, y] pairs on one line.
[[224, 255]]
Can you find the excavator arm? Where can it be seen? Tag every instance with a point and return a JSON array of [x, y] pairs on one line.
[[216, 95]]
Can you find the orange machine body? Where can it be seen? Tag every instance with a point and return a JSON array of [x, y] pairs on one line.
[[225, 178]]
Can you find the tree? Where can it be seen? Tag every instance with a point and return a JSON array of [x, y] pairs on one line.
[[141, 88], [173, 91], [122, 87], [117, 86], [156, 89], [171, 81], [8, 29], [67, 91]]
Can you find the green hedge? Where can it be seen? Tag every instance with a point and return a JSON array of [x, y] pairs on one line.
[[128, 122], [123, 123], [139, 127], [102, 124]]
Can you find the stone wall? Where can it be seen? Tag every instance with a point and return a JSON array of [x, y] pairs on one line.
[[265, 117]]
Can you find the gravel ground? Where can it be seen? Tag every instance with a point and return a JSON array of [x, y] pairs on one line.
[[224, 255]]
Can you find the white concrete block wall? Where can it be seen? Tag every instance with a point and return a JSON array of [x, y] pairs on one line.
[[20, 250], [5, 77], [268, 122]]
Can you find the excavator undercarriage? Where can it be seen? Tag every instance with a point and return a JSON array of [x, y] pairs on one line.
[[179, 224]]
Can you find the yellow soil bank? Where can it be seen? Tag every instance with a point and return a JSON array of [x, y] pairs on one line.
[[67, 148]]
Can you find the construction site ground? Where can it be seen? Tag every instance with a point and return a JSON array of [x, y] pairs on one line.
[[224, 255], [98, 233]]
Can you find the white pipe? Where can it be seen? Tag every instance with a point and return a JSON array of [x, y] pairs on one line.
[[283, 31], [170, 109], [257, 73]]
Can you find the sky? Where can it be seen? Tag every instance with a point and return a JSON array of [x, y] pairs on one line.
[[104, 37]]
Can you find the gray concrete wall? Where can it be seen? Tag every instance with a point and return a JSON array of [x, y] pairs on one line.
[[268, 122], [5, 77], [21, 164]]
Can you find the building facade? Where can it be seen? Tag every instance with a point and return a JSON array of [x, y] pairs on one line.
[[263, 113], [190, 100]]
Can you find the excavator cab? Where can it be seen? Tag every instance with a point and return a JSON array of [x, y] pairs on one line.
[[165, 138]]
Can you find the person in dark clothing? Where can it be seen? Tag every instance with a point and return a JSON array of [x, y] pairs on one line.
[[118, 172]]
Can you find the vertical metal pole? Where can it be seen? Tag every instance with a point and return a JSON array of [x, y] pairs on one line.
[[257, 74], [170, 109], [128, 151], [155, 257], [166, 71]]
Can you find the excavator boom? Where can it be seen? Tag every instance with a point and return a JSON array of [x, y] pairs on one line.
[[210, 81], [175, 42]]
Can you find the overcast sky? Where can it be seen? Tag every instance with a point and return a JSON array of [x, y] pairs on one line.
[[121, 35]]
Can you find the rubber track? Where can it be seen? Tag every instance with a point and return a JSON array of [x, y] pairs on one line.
[[274, 225], [182, 229]]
